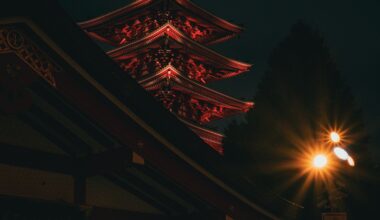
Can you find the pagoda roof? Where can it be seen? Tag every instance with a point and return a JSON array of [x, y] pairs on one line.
[[226, 29], [201, 52], [212, 138], [196, 90], [99, 96]]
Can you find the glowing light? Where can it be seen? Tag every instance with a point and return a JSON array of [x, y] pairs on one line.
[[350, 161], [341, 153], [320, 161], [334, 137]]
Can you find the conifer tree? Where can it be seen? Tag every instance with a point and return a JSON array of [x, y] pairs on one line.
[[299, 100]]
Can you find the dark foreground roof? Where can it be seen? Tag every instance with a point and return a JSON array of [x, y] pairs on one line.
[[94, 85]]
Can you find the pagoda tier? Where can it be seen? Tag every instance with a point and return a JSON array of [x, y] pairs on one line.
[[189, 99], [159, 43], [212, 138], [168, 45], [141, 17]]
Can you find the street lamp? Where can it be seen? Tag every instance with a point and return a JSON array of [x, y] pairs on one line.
[[320, 161], [328, 171]]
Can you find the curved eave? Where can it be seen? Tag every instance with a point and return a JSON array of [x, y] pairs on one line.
[[212, 138], [222, 39], [196, 89], [206, 132], [209, 16], [100, 38], [179, 37], [139, 4]]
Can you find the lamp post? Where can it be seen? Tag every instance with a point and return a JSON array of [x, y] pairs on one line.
[[334, 187]]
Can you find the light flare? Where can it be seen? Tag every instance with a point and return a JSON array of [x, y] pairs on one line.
[[320, 161], [350, 161], [335, 137], [341, 153]]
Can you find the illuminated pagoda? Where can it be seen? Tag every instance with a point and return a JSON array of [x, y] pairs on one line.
[[80, 139], [160, 43]]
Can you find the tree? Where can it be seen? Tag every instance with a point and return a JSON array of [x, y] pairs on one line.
[[300, 98]]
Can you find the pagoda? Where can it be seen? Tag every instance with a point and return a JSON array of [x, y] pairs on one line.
[[161, 44]]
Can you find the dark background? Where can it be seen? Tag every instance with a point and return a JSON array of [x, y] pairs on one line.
[[351, 29]]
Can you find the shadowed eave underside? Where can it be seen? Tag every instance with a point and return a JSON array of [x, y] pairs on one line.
[[224, 29], [196, 90], [168, 30]]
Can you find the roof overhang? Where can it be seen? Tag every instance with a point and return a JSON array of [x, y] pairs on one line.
[[111, 103], [187, 6], [168, 30], [196, 90]]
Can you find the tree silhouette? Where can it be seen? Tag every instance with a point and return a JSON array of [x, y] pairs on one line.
[[300, 98]]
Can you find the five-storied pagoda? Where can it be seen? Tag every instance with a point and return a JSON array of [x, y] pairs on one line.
[[160, 43]]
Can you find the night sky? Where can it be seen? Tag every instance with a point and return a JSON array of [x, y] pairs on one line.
[[351, 29]]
